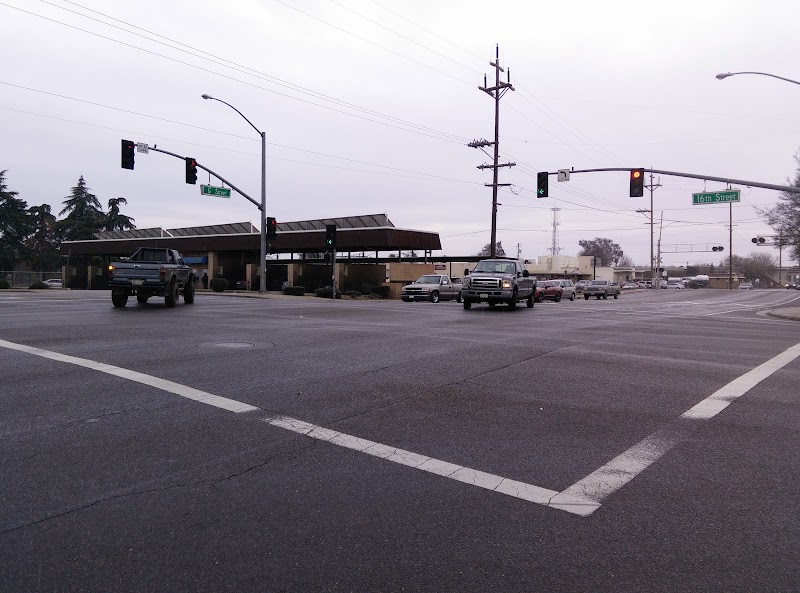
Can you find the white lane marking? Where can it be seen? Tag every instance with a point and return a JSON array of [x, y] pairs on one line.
[[622, 469], [570, 503], [169, 386], [521, 490]]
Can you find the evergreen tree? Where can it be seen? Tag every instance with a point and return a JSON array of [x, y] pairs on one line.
[[84, 214], [116, 221], [15, 226], [43, 243]]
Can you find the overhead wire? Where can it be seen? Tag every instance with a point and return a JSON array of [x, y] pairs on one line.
[[410, 126]]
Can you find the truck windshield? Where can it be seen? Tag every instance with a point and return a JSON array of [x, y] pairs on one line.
[[495, 267], [429, 280]]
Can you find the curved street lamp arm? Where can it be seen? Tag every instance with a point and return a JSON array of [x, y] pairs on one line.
[[237, 111], [727, 74]]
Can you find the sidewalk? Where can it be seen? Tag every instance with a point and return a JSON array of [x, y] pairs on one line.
[[791, 313]]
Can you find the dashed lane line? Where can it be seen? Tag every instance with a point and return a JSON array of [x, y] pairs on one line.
[[582, 498], [466, 475]]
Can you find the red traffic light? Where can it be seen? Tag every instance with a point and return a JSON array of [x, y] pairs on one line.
[[637, 183]]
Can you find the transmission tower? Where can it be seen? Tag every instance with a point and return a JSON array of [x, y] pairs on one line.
[[555, 249]]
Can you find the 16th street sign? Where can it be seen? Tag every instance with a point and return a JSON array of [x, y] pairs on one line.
[[720, 197], [220, 192]]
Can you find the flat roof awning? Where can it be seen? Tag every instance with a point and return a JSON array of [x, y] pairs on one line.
[[195, 260], [354, 233]]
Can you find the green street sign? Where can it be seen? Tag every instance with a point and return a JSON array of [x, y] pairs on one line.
[[219, 192], [720, 197]]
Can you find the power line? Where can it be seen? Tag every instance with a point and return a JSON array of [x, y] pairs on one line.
[[425, 176], [365, 40], [437, 134], [376, 23]]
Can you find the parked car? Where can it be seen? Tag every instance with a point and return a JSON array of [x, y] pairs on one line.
[[629, 285], [580, 285], [746, 286], [675, 284], [433, 288], [568, 288], [550, 290], [54, 283], [791, 285], [240, 285]]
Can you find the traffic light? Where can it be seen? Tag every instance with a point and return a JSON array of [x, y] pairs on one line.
[[637, 183], [541, 184], [128, 149], [718, 248], [272, 227], [758, 240], [330, 236], [191, 170]]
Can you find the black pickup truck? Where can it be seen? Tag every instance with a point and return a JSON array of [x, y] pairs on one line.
[[150, 272]]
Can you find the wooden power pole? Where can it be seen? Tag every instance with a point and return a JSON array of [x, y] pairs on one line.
[[496, 92]]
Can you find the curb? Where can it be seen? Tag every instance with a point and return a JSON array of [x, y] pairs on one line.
[[777, 315]]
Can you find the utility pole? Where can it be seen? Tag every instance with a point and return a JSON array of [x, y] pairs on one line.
[[496, 92], [519, 251], [652, 187]]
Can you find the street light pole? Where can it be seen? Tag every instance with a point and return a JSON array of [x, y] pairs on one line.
[[727, 74], [262, 267]]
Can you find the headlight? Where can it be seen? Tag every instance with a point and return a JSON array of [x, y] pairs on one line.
[[506, 283]]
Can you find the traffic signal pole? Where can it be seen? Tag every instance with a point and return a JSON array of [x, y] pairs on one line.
[[217, 175]]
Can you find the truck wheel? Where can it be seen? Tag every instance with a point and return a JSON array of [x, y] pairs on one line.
[[172, 295], [141, 298], [467, 305], [616, 295], [119, 300], [599, 296], [529, 301], [605, 297], [586, 296], [572, 297], [435, 296], [512, 304], [491, 304], [188, 293]]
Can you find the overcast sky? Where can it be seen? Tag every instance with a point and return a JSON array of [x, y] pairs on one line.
[[368, 105]]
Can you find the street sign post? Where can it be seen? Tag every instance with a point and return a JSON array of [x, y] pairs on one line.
[[720, 197], [219, 192]]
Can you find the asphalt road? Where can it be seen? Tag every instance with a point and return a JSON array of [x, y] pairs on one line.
[[299, 444]]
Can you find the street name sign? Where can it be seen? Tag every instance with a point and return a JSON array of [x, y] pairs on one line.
[[219, 192], [720, 197]]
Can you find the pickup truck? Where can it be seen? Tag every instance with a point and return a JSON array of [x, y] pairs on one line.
[[601, 289], [498, 280], [150, 272], [433, 288]]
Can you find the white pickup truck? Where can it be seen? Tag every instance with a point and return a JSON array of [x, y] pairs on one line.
[[433, 288]]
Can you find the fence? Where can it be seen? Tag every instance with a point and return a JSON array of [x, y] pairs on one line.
[[25, 279]]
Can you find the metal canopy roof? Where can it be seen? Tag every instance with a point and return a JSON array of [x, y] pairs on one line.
[[372, 232]]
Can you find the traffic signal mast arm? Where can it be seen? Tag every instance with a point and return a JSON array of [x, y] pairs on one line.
[[786, 188], [218, 176]]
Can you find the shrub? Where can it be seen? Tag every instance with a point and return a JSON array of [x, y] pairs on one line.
[[295, 290], [4, 283], [218, 284], [381, 291], [326, 292], [38, 285], [353, 294]]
